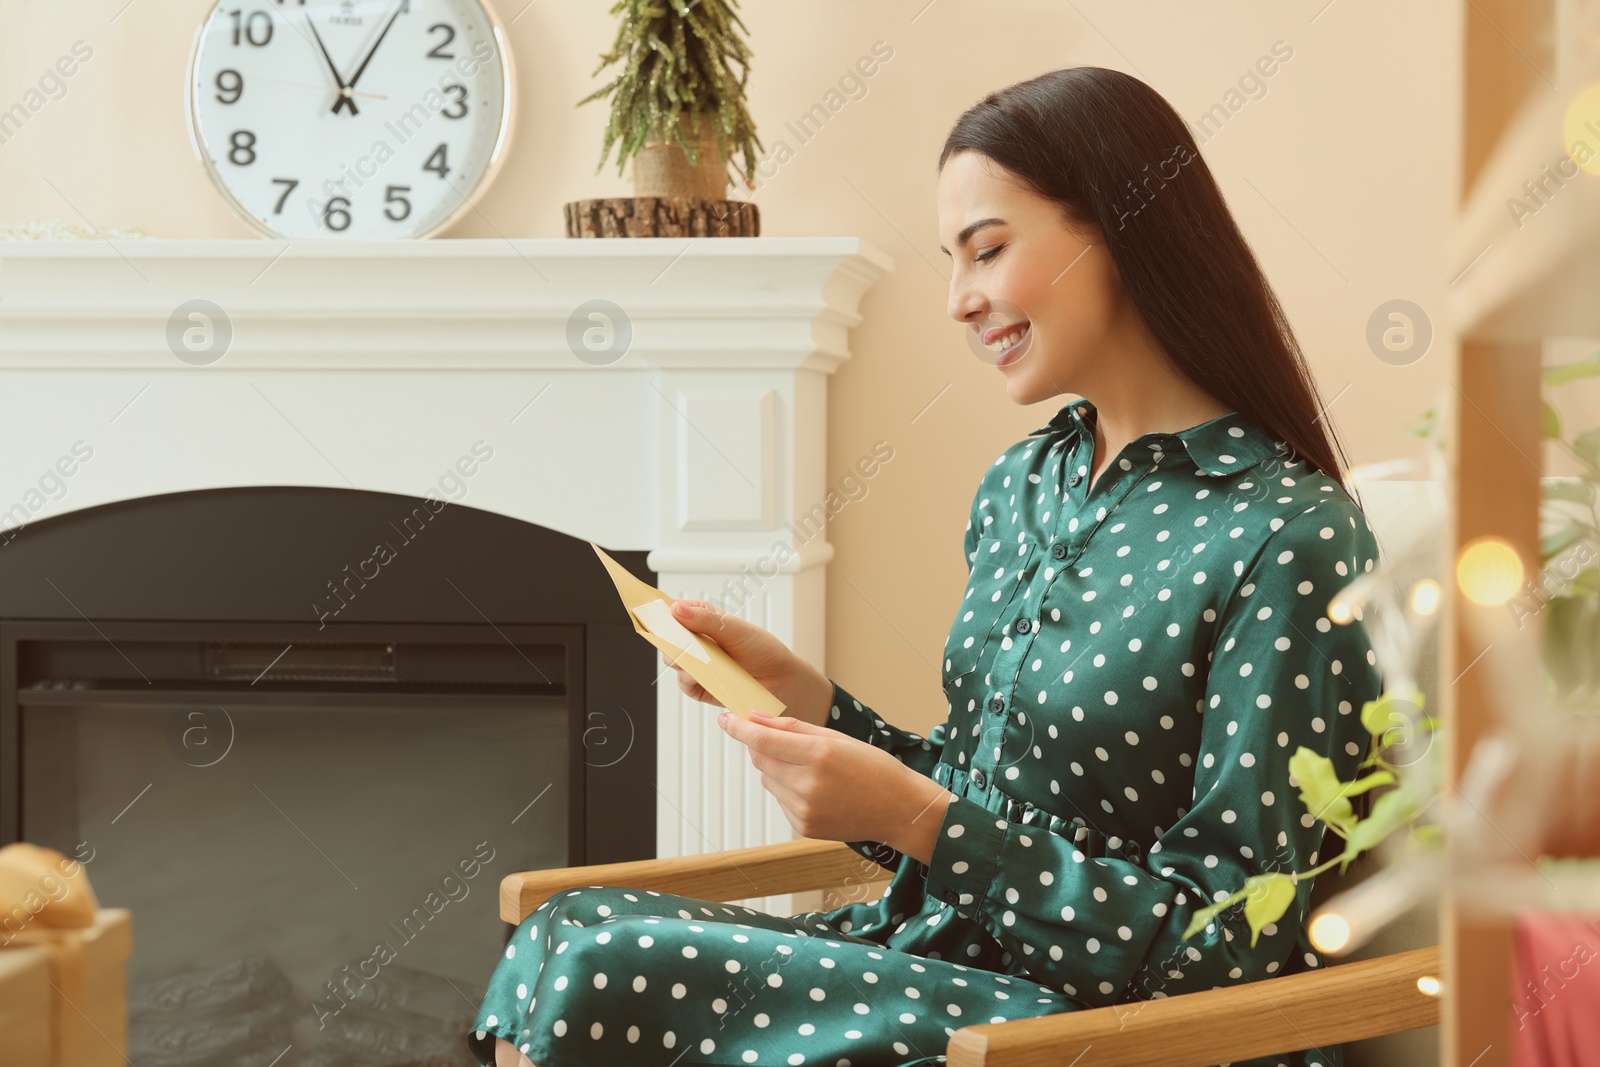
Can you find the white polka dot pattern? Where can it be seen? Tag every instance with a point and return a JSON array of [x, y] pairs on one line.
[[1132, 661]]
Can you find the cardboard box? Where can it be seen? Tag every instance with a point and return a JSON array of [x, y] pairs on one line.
[[86, 1012], [25, 1003]]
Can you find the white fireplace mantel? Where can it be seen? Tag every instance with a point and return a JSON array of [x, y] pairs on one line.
[[376, 366]]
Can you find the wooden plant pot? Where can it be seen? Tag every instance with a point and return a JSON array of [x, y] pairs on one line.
[[672, 197]]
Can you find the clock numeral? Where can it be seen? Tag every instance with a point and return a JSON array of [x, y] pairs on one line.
[[460, 93], [438, 162], [337, 214], [391, 199], [223, 86], [250, 30], [449, 35], [284, 199], [243, 152]]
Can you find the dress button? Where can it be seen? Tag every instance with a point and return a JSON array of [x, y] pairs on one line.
[[1075, 479], [1058, 551], [1024, 625], [951, 896], [979, 779], [997, 705]]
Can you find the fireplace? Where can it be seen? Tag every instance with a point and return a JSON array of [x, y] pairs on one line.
[[352, 545], [306, 807]]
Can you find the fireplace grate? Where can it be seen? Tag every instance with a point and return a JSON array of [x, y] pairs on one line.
[[492, 666], [246, 661]]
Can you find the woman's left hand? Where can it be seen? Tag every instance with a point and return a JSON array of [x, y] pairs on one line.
[[833, 787]]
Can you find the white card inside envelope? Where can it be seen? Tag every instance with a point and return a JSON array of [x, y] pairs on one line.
[[657, 618]]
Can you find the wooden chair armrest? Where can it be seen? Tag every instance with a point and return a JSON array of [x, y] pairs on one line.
[[764, 870], [1346, 1002]]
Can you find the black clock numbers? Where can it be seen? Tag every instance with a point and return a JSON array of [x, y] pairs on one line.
[[458, 107], [253, 29], [438, 161], [336, 216], [230, 86], [391, 200], [289, 184], [242, 148], [438, 50]]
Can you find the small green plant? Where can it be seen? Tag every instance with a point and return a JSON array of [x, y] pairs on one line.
[[1567, 588], [1266, 897], [1568, 557], [677, 56]]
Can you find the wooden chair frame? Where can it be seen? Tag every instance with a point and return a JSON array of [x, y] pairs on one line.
[[1346, 1002]]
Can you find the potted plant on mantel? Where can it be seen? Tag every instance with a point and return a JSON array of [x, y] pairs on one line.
[[677, 107]]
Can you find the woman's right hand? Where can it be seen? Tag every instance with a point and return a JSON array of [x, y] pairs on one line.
[[804, 690]]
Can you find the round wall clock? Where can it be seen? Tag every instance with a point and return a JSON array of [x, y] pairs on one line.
[[350, 118]]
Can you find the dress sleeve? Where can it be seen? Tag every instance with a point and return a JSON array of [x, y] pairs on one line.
[[848, 715], [1281, 675]]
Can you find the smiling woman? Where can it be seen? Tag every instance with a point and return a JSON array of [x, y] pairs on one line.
[[1142, 641]]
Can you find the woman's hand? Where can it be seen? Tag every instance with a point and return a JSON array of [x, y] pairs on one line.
[[805, 691], [833, 787]]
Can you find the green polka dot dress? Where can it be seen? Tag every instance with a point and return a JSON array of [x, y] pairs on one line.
[[1130, 667]]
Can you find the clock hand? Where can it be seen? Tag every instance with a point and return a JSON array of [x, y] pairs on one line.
[[374, 50], [344, 90], [318, 88]]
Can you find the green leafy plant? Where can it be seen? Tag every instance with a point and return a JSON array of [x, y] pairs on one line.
[[1266, 897], [677, 55], [1568, 558], [1567, 589]]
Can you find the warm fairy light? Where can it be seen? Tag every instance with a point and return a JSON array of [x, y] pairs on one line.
[[1329, 932], [1428, 985], [1339, 611], [1582, 114], [1489, 571], [1425, 597]]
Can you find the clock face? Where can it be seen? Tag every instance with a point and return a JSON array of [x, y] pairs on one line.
[[349, 118]]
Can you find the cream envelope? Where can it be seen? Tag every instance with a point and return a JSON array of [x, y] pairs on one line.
[[704, 659]]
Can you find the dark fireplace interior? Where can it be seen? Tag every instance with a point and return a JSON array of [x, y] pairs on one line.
[[301, 734]]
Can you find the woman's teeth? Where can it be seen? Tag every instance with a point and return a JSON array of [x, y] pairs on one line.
[[1007, 339]]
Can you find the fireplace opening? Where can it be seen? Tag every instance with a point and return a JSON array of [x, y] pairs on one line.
[[309, 817]]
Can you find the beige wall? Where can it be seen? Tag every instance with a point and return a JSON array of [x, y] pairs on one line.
[[1342, 176]]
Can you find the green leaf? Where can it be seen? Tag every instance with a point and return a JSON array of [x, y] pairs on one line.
[[1267, 897], [1429, 836], [1562, 373], [1375, 714], [1390, 812], [1371, 781], [1391, 716], [1204, 916], [1552, 421], [1587, 447], [1424, 427], [1577, 490], [1560, 539], [1585, 584], [1320, 788]]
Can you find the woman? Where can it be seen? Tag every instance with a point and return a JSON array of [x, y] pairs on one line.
[[1142, 645]]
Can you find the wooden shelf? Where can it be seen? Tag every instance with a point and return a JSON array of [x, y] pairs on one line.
[[1541, 278]]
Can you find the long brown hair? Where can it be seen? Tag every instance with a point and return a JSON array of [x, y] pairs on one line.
[[1104, 145]]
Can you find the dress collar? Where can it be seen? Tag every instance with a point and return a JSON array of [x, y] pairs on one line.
[[1223, 445]]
